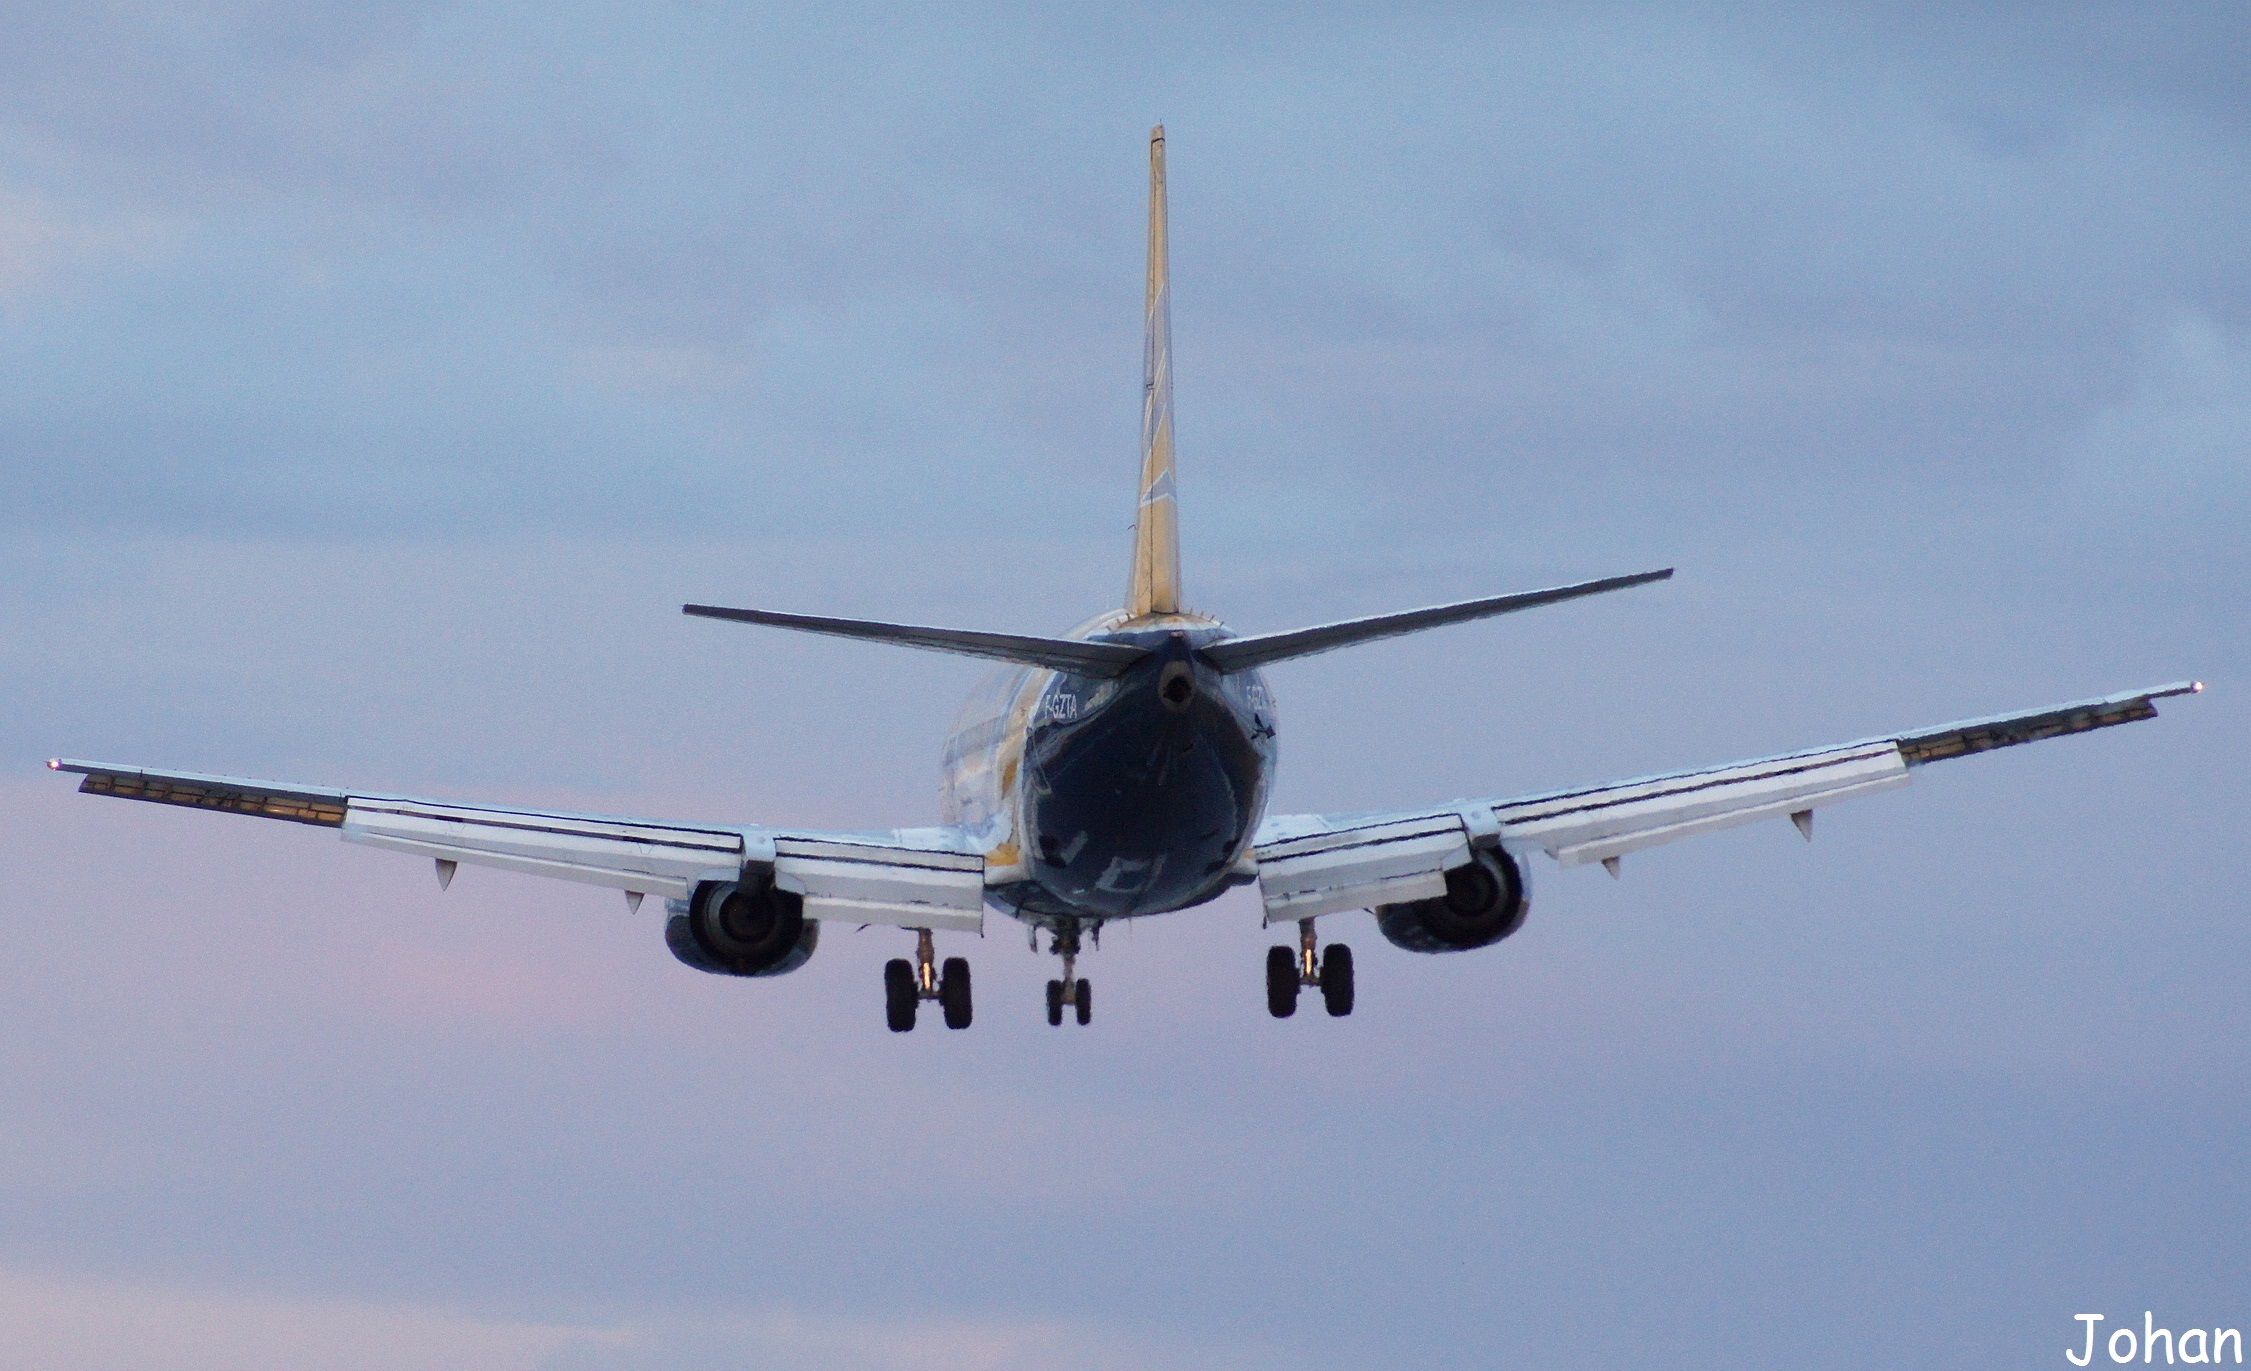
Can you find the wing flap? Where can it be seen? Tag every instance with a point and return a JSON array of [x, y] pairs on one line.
[[863, 883], [1310, 865], [1360, 866], [912, 878], [1593, 825], [652, 859], [1633, 840], [638, 882]]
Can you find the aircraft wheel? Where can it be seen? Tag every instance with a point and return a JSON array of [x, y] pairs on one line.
[[1281, 982], [953, 991], [900, 994], [1085, 999], [1336, 980], [1054, 1003]]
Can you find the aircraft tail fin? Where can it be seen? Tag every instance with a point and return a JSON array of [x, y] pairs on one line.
[[1156, 529], [1242, 654]]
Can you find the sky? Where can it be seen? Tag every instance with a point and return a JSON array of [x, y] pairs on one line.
[[377, 380]]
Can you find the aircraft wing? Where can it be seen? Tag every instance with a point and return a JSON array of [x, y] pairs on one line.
[[1310, 865], [910, 878]]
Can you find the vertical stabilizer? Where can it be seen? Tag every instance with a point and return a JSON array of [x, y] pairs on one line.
[[1156, 530]]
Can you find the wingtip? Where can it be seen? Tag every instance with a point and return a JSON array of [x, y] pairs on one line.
[[54, 763], [1157, 133]]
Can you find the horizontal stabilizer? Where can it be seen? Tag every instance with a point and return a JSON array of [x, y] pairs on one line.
[[1056, 654], [1241, 654]]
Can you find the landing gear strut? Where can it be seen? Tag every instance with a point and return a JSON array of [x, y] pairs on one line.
[[1069, 990], [1287, 973], [907, 984]]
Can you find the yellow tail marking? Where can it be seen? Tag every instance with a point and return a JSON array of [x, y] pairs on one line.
[[1156, 530]]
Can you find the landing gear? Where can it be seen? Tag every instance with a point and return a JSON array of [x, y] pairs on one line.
[[901, 997], [907, 984], [953, 992], [1281, 982], [1336, 980], [1289, 972], [1069, 990]]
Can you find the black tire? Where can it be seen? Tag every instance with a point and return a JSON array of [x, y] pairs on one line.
[[953, 991], [1054, 1003], [1086, 1004], [1336, 980], [900, 994], [1281, 982]]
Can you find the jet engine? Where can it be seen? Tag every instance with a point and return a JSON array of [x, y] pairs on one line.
[[742, 928], [1484, 902]]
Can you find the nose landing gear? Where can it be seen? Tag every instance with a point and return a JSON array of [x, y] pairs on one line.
[[1287, 973], [907, 984]]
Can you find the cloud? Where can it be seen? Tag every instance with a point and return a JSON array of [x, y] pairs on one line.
[[2175, 450], [42, 246], [85, 1322], [786, 1338], [402, 105], [437, 272], [78, 1323]]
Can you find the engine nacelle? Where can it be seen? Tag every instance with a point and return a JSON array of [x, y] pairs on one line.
[[1484, 902], [742, 928]]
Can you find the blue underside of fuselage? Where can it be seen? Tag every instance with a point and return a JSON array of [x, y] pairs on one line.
[[1133, 805]]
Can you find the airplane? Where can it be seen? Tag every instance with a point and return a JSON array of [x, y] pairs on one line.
[[1119, 772]]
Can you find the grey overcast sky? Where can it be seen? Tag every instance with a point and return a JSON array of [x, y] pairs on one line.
[[376, 380]]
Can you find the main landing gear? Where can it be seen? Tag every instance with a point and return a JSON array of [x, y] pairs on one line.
[[1287, 973], [1069, 991], [907, 984]]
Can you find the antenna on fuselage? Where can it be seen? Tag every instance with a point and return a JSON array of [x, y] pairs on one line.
[[1156, 529]]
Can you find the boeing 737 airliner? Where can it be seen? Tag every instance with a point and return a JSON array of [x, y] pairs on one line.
[[1118, 772]]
